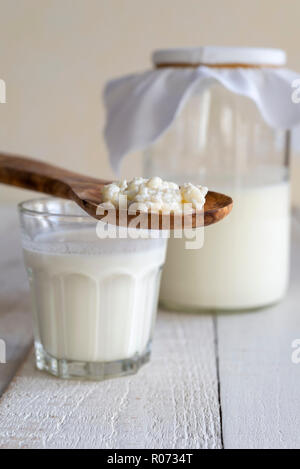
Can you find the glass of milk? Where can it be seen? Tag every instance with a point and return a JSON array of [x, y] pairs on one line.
[[94, 300]]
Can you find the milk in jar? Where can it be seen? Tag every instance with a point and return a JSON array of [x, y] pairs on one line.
[[221, 139], [244, 262]]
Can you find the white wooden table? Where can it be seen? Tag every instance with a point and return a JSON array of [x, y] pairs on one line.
[[213, 382]]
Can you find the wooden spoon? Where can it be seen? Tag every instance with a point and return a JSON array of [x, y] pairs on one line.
[[87, 192]]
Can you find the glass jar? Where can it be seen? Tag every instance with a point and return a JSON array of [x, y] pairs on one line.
[[94, 300], [219, 139]]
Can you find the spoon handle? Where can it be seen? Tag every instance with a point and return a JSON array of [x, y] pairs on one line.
[[39, 176]]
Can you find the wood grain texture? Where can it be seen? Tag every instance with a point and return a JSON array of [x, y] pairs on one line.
[[171, 403], [15, 310], [259, 383], [87, 193]]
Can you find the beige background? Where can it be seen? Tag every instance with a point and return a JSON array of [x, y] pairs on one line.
[[56, 55]]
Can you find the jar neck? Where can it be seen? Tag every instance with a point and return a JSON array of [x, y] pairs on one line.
[[216, 65]]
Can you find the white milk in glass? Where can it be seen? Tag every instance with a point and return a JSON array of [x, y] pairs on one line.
[[94, 303], [244, 262]]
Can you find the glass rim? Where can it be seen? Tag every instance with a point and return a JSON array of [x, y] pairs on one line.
[[23, 208]]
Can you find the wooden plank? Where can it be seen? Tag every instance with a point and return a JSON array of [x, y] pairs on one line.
[[171, 403], [15, 313], [259, 383]]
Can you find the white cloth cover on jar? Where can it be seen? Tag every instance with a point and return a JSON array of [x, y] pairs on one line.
[[141, 107]]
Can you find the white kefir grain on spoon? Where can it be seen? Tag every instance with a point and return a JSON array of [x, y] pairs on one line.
[[155, 195]]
